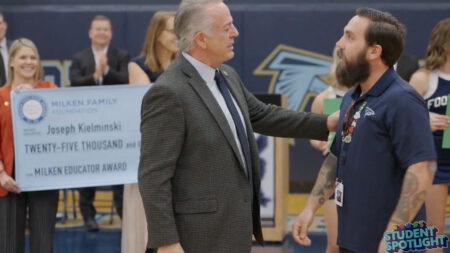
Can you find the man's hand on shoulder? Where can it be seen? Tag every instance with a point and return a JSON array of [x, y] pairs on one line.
[[171, 248], [332, 121]]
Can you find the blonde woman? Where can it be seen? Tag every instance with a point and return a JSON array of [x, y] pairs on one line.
[[433, 83], [157, 53], [24, 72]]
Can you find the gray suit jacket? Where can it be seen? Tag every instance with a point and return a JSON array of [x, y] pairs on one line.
[[191, 177]]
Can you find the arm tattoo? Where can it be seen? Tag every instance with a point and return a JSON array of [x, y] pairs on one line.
[[432, 166], [419, 198], [317, 191], [411, 198], [331, 175], [410, 185], [326, 179], [321, 200]]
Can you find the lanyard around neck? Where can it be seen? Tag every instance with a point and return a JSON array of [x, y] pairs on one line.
[[347, 133]]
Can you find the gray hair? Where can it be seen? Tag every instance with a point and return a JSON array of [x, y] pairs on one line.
[[190, 19]]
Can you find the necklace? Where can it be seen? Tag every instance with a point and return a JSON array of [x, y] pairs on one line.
[[347, 131]]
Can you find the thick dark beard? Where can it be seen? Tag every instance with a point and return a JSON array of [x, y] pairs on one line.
[[350, 74]]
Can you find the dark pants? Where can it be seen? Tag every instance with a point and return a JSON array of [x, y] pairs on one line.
[[151, 250], [87, 196], [42, 207]]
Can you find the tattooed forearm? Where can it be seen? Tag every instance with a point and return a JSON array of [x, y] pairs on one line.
[[321, 200], [415, 183], [419, 198], [317, 191], [410, 185], [325, 182], [331, 175], [432, 166]]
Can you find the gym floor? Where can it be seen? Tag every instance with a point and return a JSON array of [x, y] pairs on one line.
[[70, 237]]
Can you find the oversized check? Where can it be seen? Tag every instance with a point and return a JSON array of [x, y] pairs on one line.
[[77, 137]]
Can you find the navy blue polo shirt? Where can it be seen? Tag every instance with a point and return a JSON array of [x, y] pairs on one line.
[[392, 133]]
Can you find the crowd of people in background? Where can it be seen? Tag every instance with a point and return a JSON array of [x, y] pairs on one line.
[[104, 64]]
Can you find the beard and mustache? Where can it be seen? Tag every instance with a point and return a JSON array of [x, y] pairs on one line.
[[349, 74]]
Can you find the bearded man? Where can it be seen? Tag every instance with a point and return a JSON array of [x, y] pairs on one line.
[[382, 160]]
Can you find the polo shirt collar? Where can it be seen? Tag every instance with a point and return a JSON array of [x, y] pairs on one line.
[[380, 86]]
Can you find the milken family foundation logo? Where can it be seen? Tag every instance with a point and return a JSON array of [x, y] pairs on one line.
[[413, 237], [32, 109]]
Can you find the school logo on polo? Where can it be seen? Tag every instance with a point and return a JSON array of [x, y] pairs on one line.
[[414, 236], [368, 112], [32, 109], [298, 74]]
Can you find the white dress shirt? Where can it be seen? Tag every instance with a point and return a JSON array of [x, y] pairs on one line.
[[105, 51], [207, 74]]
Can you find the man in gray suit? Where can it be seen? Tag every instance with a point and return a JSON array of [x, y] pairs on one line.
[[199, 173]]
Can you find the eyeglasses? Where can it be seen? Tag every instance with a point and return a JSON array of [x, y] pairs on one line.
[[347, 117]]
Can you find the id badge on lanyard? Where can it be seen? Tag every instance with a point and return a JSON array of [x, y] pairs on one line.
[[347, 133], [339, 193]]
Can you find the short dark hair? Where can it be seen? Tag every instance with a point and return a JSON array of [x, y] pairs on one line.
[[386, 31], [100, 18]]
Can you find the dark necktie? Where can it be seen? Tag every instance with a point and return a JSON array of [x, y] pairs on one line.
[[2, 69], [240, 129]]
